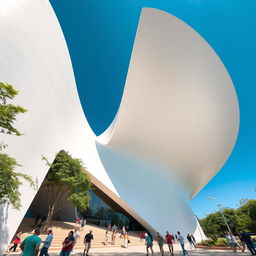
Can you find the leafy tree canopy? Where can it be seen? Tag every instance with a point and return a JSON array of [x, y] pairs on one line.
[[67, 175], [66, 178], [242, 218], [9, 179], [8, 112]]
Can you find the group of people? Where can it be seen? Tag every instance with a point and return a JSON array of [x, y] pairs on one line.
[[245, 241], [30, 246], [170, 240], [124, 235]]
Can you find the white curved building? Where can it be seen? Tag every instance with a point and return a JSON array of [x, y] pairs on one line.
[[175, 128]]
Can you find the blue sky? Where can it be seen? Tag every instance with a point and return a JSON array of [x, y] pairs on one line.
[[100, 36]]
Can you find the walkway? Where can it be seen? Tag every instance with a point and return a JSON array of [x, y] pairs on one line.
[[140, 251]]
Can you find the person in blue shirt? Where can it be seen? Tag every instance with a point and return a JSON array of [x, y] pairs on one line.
[[47, 244], [149, 242]]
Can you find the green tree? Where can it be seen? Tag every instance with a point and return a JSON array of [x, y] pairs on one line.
[[9, 178], [10, 181], [247, 215], [242, 218], [8, 112], [214, 225], [66, 178]]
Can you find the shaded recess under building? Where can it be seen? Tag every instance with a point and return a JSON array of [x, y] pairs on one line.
[[102, 210]]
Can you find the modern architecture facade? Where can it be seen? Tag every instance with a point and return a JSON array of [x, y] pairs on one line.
[[175, 128]]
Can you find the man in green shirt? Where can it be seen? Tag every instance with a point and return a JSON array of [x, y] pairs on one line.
[[30, 245]]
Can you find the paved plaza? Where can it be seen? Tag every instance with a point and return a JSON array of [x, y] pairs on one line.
[[140, 251]]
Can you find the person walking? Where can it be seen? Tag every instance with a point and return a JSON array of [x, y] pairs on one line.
[[106, 237], [114, 230], [16, 242], [83, 223], [126, 239], [47, 243], [68, 244], [194, 240], [246, 237], [76, 236], [160, 242], [123, 232], [149, 242], [191, 243], [169, 240], [242, 242], [30, 245], [234, 243], [180, 238], [87, 242], [229, 240]]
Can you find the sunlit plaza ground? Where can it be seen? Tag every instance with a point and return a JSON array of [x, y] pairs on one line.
[[140, 250]]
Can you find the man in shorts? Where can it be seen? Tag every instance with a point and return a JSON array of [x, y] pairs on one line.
[[87, 242], [169, 240], [30, 245]]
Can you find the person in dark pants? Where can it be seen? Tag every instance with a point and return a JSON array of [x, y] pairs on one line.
[[47, 244], [193, 239], [16, 241], [190, 240], [246, 237]]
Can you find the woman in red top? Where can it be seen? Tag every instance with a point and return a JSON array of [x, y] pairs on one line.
[[169, 240], [16, 241], [68, 244]]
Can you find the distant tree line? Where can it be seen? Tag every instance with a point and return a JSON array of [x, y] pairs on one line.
[[241, 219]]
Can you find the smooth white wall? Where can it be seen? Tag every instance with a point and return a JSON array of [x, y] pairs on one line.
[[34, 59], [179, 104]]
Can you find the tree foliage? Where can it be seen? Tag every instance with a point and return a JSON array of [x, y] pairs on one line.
[[8, 112], [66, 178], [10, 180], [242, 218]]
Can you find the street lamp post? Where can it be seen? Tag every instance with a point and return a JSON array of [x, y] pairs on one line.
[[222, 213]]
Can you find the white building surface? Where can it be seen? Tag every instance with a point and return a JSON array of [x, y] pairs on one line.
[[175, 128]]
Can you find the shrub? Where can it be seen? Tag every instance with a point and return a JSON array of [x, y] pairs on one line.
[[207, 242], [221, 242]]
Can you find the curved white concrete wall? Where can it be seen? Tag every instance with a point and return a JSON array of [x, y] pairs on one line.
[[179, 104], [35, 60]]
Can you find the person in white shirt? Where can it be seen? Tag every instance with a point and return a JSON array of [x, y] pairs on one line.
[[182, 244], [76, 236]]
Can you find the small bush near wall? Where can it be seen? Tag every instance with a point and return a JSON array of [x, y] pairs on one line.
[[221, 242], [208, 242]]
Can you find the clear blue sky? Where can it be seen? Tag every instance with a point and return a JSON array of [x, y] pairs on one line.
[[100, 36]]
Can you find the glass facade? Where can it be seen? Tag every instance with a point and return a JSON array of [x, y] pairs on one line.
[[103, 211]]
